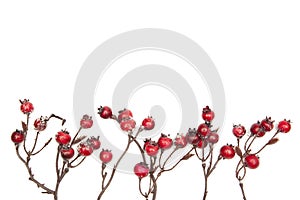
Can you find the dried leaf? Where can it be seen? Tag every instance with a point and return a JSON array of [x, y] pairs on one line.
[[24, 126], [273, 141], [238, 152], [79, 139], [188, 156]]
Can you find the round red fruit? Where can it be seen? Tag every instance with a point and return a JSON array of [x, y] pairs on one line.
[[40, 124], [284, 126], [141, 170], [63, 137], [85, 149], [180, 141], [26, 106], [124, 115], [164, 142], [252, 161], [213, 138], [106, 156], [207, 114], [86, 122], [152, 148], [17, 137], [239, 131], [202, 143], [267, 124], [192, 137], [94, 142], [227, 151], [105, 112], [148, 123], [256, 129], [127, 125], [67, 152], [203, 129]]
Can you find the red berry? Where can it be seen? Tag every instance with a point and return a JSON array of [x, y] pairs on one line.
[[40, 124], [124, 114], [63, 137], [284, 126], [127, 125], [17, 137], [152, 148], [86, 122], [180, 141], [203, 129], [207, 114], [164, 142], [227, 152], [202, 143], [146, 142], [267, 124], [252, 161], [67, 152], [26, 106], [85, 149], [239, 131], [105, 156], [148, 123], [141, 170], [192, 137], [105, 112], [257, 130], [94, 142], [213, 138]]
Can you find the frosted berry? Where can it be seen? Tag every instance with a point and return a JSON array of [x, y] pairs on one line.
[[40, 124], [141, 170], [202, 143], [180, 141], [26, 106], [152, 148], [17, 137], [67, 152], [227, 151], [105, 112], [203, 129], [105, 156], [207, 114], [212, 138], [85, 149], [127, 125], [86, 122], [164, 142], [124, 115], [284, 126], [238, 131], [63, 137], [148, 123], [256, 129], [267, 124], [192, 137], [94, 142]]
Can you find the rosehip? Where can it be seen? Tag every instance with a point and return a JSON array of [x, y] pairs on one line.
[[148, 123], [17, 137], [152, 148], [202, 143], [203, 129], [252, 161], [63, 137], [207, 114], [192, 137], [227, 152], [26, 106], [124, 114], [257, 130], [141, 170], [40, 124], [86, 122], [267, 124], [146, 142], [105, 156], [239, 131], [127, 125], [105, 112], [180, 141], [164, 142], [284, 126], [67, 152], [94, 142], [85, 149], [213, 138]]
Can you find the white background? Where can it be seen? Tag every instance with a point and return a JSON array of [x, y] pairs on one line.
[[255, 46]]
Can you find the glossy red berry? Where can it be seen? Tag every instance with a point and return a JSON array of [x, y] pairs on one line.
[[67, 152], [180, 141], [202, 143], [267, 124], [85, 149], [124, 115], [252, 161], [86, 122], [40, 124], [63, 137], [207, 114], [256, 129], [203, 129], [152, 148], [212, 138], [239, 131], [105, 112], [127, 125], [26, 106], [164, 142], [284, 126], [17, 137], [94, 142], [141, 170], [192, 137], [148, 123], [227, 151], [105, 156]]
